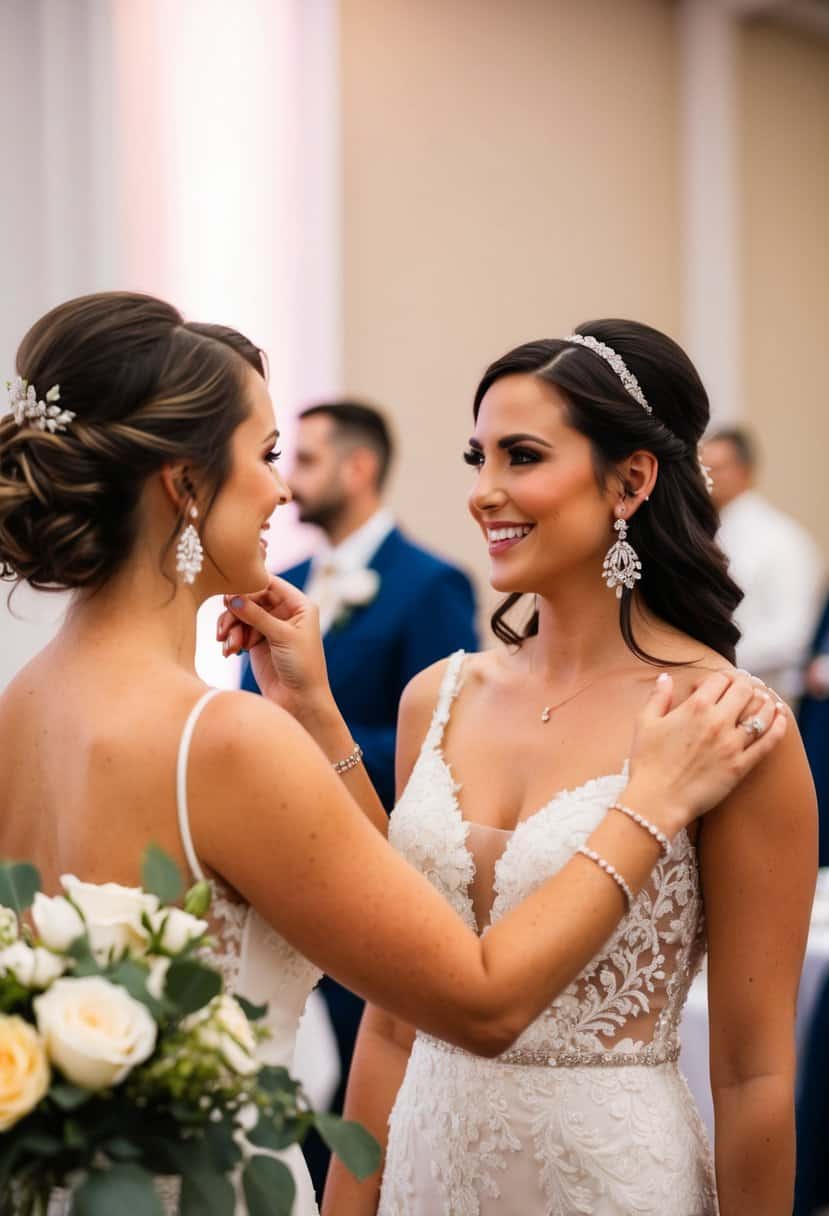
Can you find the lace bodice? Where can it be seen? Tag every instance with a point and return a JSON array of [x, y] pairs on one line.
[[254, 960], [624, 1007]]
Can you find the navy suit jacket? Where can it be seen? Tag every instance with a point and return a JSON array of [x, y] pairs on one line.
[[423, 611]]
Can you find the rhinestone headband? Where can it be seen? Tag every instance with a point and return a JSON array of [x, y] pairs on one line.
[[615, 360], [26, 409]]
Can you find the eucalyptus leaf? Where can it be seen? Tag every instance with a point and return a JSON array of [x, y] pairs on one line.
[[123, 1189], [67, 1096], [206, 1192], [85, 961], [161, 876], [19, 884], [41, 1144], [221, 1145], [133, 976], [269, 1187], [254, 1013], [356, 1148], [190, 986], [277, 1134], [273, 1078], [119, 1148]]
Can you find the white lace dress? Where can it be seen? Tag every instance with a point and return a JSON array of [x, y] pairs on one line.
[[258, 964], [587, 1112]]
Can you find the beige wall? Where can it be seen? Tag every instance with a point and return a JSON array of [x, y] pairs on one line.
[[784, 83], [509, 170]]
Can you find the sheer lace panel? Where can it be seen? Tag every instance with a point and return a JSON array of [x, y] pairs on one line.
[[486, 846]]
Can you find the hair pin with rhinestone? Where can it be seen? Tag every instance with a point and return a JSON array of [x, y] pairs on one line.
[[615, 360], [26, 409]]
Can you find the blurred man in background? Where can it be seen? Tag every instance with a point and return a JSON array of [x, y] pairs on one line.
[[773, 559], [388, 608]]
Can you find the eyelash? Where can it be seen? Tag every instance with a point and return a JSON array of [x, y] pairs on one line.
[[475, 458], [272, 457]]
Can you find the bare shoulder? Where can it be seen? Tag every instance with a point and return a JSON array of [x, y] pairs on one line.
[[240, 729], [417, 706]]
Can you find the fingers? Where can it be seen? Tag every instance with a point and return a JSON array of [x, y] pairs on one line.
[[661, 698], [761, 745], [712, 688]]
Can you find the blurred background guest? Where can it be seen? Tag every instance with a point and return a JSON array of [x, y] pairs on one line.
[[388, 608], [772, 558]]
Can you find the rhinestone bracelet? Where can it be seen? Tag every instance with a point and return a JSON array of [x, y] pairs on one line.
[[659, 836], [350, 762], [611, 872]]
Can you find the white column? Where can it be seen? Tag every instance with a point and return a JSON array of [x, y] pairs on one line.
[[710, 219]]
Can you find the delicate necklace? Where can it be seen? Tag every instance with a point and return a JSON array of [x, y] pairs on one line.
[[548, 709]]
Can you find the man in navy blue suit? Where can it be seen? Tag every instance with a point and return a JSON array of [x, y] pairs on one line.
[[388, 608]]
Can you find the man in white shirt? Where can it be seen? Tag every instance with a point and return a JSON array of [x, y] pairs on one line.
[[773, 560]]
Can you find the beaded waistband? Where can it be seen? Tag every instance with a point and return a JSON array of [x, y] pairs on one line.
[[650, 1055]]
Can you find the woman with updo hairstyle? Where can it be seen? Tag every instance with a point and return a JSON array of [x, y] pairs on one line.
[[590, 495], [137, 471]]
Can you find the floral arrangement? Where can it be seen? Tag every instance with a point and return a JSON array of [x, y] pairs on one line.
[[121, 1058], [355, 590]]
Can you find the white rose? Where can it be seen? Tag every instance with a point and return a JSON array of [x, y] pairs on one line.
[[157, 977], [33, 968], [9, 930], [57, 922], [113, 915], [177, 928], [24, 1070], [223, 1026], [94, 1031]]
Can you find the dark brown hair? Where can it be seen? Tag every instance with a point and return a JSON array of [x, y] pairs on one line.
[[361, 425], [147, 389], [685, 578]]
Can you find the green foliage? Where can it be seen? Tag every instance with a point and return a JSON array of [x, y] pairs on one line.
[[19, 884], [189, 985], [161, 876], [357, 1150], [268, 1186], [197, 899], [123, 1188]]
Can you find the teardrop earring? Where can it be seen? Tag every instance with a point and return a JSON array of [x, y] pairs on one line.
[[189, 552], [622, 566]]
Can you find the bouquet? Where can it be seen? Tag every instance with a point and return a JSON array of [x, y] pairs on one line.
[[122, 1060]]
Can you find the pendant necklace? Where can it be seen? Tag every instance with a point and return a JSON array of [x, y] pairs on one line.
[[548, 709]]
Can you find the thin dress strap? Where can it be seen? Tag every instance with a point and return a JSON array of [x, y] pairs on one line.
[[449, 689], [181, 781]]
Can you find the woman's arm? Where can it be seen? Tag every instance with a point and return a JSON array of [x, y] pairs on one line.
[[758, 856], [380, 1058], [270, 815], [384, 1042]]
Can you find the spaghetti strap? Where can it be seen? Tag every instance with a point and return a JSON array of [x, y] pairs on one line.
[[181, 782], [449, 689]]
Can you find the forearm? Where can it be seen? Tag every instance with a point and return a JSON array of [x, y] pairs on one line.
[[379, 1064], [326, 725], [755, 1146]]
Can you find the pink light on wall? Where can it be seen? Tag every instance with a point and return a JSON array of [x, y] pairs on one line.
[[229, 191]]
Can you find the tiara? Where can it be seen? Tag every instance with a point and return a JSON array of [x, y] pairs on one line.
[[26, 409], [615, 360]]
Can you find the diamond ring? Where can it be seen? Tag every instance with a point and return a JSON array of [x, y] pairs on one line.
[[754, 726]]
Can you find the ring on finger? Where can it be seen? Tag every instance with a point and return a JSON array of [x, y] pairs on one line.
[[754, 726]]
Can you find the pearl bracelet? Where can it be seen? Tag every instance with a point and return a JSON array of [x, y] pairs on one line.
[[659, 836], [344, 766], [611, 872]]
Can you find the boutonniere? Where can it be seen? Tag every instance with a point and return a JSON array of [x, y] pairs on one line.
[[355, 590]]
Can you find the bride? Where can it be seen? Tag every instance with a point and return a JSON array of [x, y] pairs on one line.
[[577, 443], [136, 470]]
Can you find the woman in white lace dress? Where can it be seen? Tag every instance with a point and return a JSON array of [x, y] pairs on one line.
[[136, 470], [509, 759]]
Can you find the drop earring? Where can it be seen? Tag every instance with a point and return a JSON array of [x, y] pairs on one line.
[[189, 551], [622, 566]]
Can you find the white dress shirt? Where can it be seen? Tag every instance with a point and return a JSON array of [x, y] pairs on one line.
[[774, 560], [333, 563]]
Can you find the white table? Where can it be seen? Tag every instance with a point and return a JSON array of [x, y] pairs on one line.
[[694, 1030]]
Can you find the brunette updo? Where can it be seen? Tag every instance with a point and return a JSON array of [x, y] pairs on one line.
[[685, 579], [146, 389]]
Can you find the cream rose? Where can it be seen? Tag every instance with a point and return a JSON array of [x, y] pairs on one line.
[[24, 1070], [113, 915], [31, 967], [177, 928], [94, 1031], [9, 929], [223, 1026], [57, 922]]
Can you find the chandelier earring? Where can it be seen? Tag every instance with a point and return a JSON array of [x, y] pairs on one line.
[[622, 567], [189, 551]]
